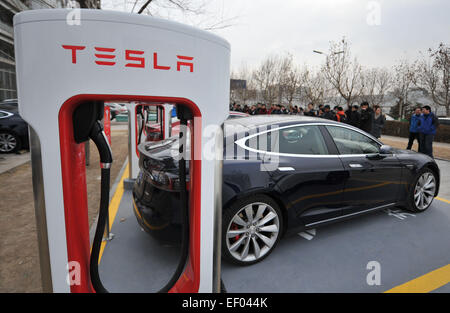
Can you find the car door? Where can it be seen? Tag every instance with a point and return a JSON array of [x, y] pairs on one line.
[[309, 178], [374, 180]]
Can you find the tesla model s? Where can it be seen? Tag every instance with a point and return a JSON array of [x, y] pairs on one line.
[[286, 174]]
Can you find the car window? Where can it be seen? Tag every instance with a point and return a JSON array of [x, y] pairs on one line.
[[304, 139], [349, 141]]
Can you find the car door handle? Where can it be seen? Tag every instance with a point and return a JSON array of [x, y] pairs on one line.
[[355, 165], [286, 169]]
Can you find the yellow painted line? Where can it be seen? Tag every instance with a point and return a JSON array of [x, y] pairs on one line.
[[425, 283], [114, 207], [442, 199]]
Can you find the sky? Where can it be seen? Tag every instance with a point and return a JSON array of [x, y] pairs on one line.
[[380, 31]]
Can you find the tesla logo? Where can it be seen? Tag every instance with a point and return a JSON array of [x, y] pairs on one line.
[[106, 56]]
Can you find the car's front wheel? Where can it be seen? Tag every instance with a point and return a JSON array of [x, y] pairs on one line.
[[9, 142], [251, 228], [423, 191]]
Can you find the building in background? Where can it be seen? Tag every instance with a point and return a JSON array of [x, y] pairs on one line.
[[8, 8]]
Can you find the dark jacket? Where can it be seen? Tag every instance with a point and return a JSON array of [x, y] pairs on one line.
[[428, 124], [366, 120], [353, 118], [330, 115], [378, 125], [309, 113]]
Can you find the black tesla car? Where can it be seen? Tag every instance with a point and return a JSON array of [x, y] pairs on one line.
[[13, 129], [285, 174]]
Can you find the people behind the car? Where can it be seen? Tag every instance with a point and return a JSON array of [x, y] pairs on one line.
[[422, 124]]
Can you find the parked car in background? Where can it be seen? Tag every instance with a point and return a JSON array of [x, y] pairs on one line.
[[321, 172], [116, 109], [10, 105], [444, 120], [13, 131]]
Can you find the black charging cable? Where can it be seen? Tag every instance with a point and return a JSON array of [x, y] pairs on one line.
[[86, 125], [98, 137], [143, 123]]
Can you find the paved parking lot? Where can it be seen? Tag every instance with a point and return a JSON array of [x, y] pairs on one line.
[[12, 160], [335, 258]]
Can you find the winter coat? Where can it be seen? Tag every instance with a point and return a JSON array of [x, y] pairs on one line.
[[428, 124], [341, 117], [414, 123], [366, 120], [378, 124], [353, 118], [309, 113]]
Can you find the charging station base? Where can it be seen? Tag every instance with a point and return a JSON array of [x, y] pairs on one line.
[[128, 183]]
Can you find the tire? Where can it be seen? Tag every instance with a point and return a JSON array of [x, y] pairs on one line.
[[257, 223], [422, 191], [9, 142]]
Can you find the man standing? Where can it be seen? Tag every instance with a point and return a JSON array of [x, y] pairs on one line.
[[366, 119], [427, 129], [414, 128], [353, 116], [341, 116], [328, 114], [310, 110]]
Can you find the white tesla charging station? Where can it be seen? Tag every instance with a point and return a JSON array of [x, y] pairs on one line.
[[133, 129], [112, 56]]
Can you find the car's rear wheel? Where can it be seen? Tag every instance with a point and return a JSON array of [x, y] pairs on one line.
[[423, 191], [252, 228], [9, 142]]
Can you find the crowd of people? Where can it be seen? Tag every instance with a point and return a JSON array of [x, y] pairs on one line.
[[422, 127], [369, 119]]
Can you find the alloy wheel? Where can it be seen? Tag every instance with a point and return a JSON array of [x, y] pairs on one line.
[[7, 142], [424, 191], [252, 232]]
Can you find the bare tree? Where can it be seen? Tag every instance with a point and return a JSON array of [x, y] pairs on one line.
[[343, 72], [403, 80], [266, 78], [376, 82], [289, 79], [243, 95], [315, 86], [434, 76], [198, 13]]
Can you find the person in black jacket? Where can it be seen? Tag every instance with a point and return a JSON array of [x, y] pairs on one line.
[[366, 119], [353, 116], [328, 114], [310, 110]]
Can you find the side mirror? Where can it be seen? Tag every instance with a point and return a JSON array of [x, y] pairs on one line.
[[385, 149]]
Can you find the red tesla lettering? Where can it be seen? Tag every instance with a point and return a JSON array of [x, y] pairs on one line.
[[105, 56], [74, 51], [128, 57], [134, 58], [189, 64], [155, 63]]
